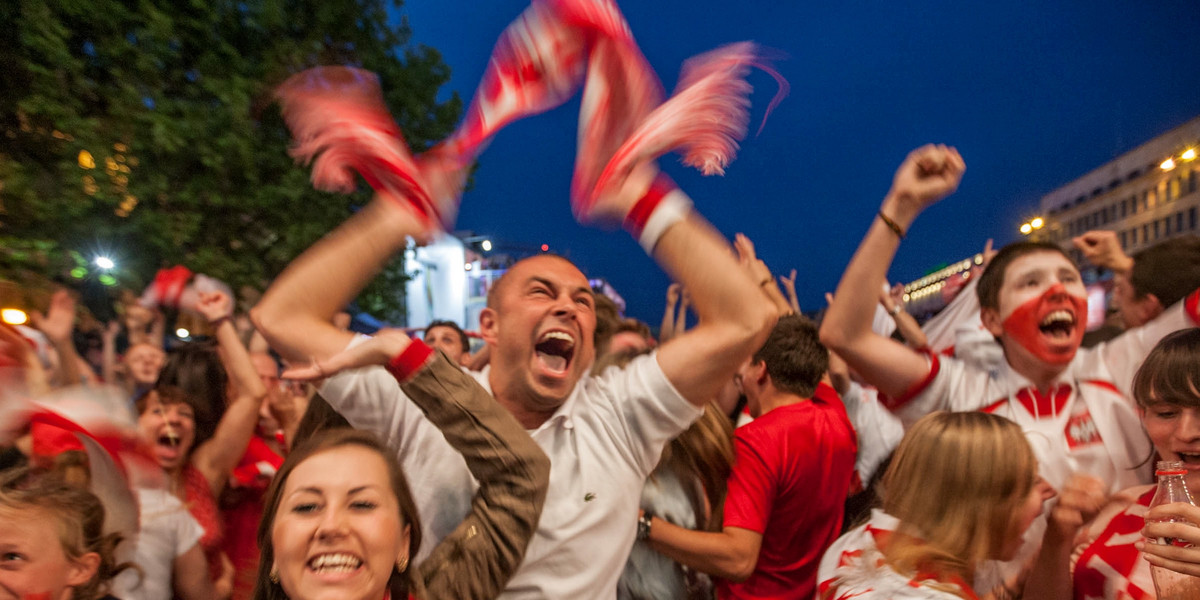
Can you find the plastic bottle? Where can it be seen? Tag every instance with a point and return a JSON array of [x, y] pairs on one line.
[[1168, 584]]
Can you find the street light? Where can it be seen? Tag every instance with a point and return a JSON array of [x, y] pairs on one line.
[[1037, 223], [1167, 165], [104, 262], [1188, 154], [486, 245], [13, 316], [1026, 228]]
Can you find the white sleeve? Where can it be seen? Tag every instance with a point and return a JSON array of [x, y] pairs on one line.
[[950, 385], [879, 431], [187, 531], [370, 399], [1123, 355], [648, 411]]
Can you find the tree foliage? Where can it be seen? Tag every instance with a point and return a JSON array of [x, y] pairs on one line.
[[146, 128]]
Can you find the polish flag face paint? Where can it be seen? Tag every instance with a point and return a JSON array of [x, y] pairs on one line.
[[1050, 326]]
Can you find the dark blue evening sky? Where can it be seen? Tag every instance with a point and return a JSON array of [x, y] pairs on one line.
[[1033, 93]]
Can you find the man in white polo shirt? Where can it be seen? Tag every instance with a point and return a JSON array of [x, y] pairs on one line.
[[603, 434]]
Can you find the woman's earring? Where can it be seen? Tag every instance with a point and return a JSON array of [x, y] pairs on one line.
[[402, 564], [274, 575]]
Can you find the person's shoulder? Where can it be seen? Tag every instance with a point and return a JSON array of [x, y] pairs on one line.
[[642, 376]]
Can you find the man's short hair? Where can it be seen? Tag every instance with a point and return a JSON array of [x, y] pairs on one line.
[[992, 278], [794, 356], [462, 335], [1170, 270]]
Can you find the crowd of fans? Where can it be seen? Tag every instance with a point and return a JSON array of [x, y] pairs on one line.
[[995, 450], [754, 454]]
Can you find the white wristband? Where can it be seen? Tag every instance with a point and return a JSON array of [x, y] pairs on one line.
[[673, 208]]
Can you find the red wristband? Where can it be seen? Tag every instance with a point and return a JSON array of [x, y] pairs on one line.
[[406, 364], [635, 221]]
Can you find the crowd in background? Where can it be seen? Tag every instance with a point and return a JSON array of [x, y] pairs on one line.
[[996, 449], [749, 452]]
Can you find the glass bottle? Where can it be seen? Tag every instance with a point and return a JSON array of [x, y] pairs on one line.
[[1168, 584]]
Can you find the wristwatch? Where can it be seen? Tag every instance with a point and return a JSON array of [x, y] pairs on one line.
[[896, 310], [643, 528]]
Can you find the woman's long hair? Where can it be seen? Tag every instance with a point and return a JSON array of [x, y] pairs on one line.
[[400, 583], [954, 483]]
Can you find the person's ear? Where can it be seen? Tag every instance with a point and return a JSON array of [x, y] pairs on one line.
[[83, 569], [402, 555], [991, 321], [758, 371], [1149, 307], [489, 326]]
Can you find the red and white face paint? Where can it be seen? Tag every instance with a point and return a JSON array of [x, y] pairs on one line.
[[1050, 326]]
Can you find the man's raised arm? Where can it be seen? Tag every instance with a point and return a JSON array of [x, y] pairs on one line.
[[928, 174], [296, 314], [735, 316]]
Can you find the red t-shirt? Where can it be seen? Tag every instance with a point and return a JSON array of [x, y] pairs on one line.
[[243, 507], [790, 479]]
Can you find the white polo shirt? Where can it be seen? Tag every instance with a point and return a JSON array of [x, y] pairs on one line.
[[603, 442]]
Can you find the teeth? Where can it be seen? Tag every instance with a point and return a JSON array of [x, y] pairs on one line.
[[1057, 317], [335, 562], [558, 335]]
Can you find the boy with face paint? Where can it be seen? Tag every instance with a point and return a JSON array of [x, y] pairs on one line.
[[1074, 405]]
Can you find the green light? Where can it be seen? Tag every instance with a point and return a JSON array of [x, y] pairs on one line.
[[107, 279], [79, 272]]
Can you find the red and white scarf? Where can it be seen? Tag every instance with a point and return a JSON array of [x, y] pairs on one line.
[[341, 124]]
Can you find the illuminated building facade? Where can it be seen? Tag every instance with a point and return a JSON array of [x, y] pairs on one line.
[[1146, 195]]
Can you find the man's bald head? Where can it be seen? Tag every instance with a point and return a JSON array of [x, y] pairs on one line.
[[495, 293]]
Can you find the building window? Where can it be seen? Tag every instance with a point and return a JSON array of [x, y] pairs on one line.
[[1192, 218], [1123, 244], [1167, 226], [1145, 233], [1124, 207], [1179, 221]]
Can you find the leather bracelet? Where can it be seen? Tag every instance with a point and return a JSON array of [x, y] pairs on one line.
[[643, 526], [894, 226]]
